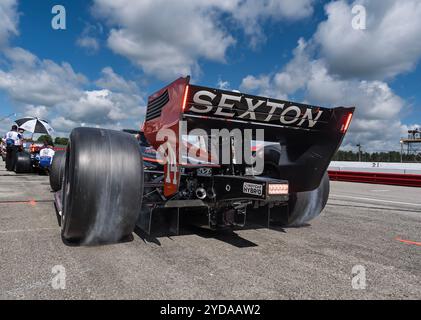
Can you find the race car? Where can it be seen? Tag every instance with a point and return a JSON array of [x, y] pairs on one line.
[[34, 157], [207, 157]]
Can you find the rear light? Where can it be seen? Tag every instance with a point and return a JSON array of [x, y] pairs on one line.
[[347, 122], [278, 188], [186, 93]]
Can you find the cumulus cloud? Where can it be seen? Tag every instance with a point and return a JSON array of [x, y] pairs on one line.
[[341, 66], [89, 43], [35, 111], [9, 19], [261, 84], [164, 38], [223, 84], [112, 81], [89, 38], [389, 45], [252, 13], [168, 38], [102, 107], [39, 82], [64, 125], [281, 84], [46, 89]]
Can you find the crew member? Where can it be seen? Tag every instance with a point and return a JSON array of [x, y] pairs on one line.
[[21, 145], [46, 155], [12, 145]]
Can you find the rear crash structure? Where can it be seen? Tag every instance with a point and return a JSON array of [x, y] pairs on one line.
[[187, 166]]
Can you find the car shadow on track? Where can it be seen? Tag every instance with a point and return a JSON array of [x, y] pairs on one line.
[[227, 236]]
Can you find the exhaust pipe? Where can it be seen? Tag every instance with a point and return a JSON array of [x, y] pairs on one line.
[[200, 193]]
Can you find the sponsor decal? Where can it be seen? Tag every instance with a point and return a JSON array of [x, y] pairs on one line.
[[250, 108], [206, 172], [253, 188]]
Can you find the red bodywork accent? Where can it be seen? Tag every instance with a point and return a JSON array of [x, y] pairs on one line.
[[168, 119], [347, 122]]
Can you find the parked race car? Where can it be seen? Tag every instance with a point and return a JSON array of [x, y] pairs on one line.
[[34, 157], [177, 171]]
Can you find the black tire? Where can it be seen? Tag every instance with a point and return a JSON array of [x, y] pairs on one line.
[[302, 206], [23, 162], [305, 206], [102, 187], [57, 170]]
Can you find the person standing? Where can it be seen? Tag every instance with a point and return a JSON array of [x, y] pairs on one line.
[[21, 144], [12, 145]]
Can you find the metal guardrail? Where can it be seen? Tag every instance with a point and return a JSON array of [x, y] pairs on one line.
[[409, 180]]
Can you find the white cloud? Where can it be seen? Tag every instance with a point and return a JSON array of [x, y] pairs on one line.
[[262, 84], [18, 56], [222, 84], [9, 19], [112, 81], [89, 38], [164, 38], [89, 43], [340, 66], [103, 107], [251, 13], [35, 111], [169, 38], [46, 89], [39, 82], [388, 46], [64, 125]]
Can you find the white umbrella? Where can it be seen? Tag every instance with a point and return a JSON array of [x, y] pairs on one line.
[[35, 125]]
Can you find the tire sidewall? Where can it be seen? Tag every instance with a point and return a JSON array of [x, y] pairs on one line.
[[103, 186]]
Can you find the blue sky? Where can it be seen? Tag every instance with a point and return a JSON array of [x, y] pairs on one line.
[[37, 36], [114, 53]]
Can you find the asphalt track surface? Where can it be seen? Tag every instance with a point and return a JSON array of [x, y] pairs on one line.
[[375, 226]]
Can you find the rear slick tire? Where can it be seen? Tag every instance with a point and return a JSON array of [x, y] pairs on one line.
[[23, 162], [102, 187], [305, 206], [57, 170]]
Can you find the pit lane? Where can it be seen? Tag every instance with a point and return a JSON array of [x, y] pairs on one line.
[[375, 226]]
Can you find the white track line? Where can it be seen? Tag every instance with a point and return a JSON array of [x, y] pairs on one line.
[[377, 200]]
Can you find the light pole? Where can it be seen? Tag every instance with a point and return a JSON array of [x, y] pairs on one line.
[[401, 142], [359, 152]]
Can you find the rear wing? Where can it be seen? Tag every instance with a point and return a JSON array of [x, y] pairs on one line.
[[309, 135]]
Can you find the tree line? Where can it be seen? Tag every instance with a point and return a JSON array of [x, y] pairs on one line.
[[57, 140], [340, 155], [391, 156]]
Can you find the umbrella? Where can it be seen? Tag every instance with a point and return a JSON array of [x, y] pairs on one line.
[[34, 125]]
